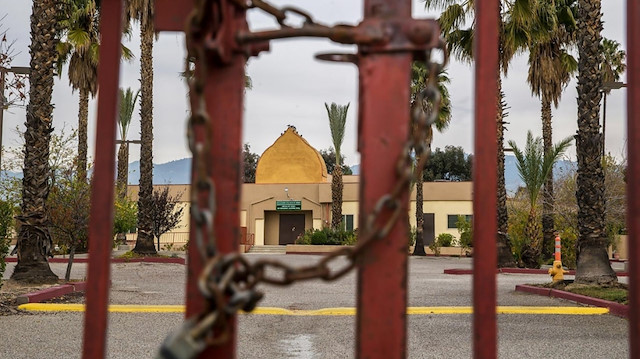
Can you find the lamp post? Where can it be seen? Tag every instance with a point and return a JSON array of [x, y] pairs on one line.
[[605, 89], [3, 100]]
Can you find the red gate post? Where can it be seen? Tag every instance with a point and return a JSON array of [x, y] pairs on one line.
[[633, 193], [224, 92], [101, 218], [383, 131], [485, 181]]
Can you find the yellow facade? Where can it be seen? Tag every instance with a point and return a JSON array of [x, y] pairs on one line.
[[291, 159]]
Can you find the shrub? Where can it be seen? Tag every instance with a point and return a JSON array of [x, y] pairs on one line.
[[412, 236], [327, 236], [6, 222], [304, 237], [167, 247], [319, 237], [517, 222], [435, 247], [568, 239], [466, 232], [445, 239]]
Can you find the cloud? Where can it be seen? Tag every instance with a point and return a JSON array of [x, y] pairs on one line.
[[290, 87]]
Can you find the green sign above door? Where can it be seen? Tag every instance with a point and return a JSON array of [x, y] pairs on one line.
[[288, 205]]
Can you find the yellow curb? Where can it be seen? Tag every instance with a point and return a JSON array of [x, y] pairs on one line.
[[553, 310], [55, 307], [114, 308]]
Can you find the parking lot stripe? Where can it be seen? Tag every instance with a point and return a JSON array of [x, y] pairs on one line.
[[56, 307]]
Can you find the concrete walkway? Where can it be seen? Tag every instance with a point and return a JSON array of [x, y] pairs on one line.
[[137, 335]]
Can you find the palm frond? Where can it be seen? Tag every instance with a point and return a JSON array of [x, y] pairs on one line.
[[442, 4], [80, 39], [534, 166], [337, 120], [552, 157], [460, 44], [127, 104], [569, 63], [612, 62], [127, 54], [453, 17]]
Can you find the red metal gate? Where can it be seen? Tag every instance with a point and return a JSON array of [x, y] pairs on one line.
[[388, 39]]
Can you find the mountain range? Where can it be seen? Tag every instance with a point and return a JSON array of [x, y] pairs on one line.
[[179, 172]]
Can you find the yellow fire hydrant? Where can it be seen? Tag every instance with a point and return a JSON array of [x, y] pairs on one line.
[[556, 272]]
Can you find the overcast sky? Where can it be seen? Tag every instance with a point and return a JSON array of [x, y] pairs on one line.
[[290, 87]]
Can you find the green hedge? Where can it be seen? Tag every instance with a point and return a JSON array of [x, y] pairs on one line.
[[327, 236]]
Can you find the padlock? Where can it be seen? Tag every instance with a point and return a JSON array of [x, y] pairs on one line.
[[180, 344], [245, 299]]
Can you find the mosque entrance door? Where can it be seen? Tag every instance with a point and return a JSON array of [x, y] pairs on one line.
[[291, 225]]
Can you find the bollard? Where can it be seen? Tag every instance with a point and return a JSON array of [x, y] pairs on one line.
[[556, 272]]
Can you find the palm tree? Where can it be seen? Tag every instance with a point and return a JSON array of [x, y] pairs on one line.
[[34, 240], [550, 69], [81, 41], [534, 166], [514, 34], [592, 262], [142, 11], [127, 104], [418, 75], [337, 120], [612, 67], [80, 49]]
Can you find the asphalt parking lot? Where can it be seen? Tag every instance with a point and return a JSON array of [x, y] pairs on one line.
[[137, 335]]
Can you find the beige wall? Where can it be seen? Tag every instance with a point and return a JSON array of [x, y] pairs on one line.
[[351, 208], [258, 205], [441, 210], [259, 232]]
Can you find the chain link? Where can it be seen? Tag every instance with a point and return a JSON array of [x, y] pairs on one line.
[[229, 282]]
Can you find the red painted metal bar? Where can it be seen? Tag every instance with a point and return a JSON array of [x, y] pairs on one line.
[[224, 94], [485, 181], [633, 172], [101, 219], [383, 130], [170, 15]]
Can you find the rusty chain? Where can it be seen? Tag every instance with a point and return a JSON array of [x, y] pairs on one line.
[[229, 282]]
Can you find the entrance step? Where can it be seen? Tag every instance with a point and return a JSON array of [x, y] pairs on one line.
[[269, 249]]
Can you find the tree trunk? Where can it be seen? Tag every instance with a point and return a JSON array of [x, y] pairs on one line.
[[83, 115], [531, 251], [505, 255], [72, 252], [144, 242], [123, 169], [591, 257], [34, 241], [418, 249], [336, 197], [548, 226]]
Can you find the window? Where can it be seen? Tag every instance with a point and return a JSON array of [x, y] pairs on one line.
[[453, 218], [347, 222]]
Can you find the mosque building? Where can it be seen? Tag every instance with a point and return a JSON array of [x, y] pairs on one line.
[[292, 193]]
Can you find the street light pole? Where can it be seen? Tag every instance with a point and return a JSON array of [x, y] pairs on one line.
[[606, 88], [3, 100]]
